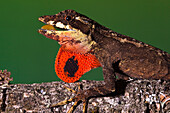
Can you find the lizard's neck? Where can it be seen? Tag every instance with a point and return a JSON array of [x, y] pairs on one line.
[[100, 32]]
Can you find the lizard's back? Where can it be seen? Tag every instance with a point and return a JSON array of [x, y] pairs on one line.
[[144, 62], [135, 58]]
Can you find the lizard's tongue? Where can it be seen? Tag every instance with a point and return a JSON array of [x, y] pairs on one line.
[[48, 27]]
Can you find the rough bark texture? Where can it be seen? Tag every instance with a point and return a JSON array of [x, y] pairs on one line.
[[137, 96]]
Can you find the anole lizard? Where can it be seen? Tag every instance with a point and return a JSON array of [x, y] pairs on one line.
[[119, 55]]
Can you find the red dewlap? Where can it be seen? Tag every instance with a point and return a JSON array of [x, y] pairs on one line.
[[70, 66]]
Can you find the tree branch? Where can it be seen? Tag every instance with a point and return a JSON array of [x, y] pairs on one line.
[[135, 96]]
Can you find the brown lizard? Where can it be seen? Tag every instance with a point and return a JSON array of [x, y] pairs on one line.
[[119, 55]]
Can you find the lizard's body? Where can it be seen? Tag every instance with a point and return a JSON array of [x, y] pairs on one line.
[[118, 54], [133, 58]]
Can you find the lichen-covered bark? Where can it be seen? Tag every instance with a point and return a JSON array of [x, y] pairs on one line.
[[139, 96]]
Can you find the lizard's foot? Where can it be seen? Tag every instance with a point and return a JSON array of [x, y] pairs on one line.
[[80, 97], [85, 95]]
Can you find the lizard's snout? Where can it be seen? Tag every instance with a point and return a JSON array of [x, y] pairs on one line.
[[47, 18]]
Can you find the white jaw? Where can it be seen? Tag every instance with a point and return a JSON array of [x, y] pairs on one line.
[[60, 25]]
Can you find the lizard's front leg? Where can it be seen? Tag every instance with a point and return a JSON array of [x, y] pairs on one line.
[[84, 95]]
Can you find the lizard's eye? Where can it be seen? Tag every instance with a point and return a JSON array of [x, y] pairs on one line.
[[68, 18]]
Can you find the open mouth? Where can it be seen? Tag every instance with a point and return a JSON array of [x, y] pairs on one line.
[[56, 31], [53, 28]]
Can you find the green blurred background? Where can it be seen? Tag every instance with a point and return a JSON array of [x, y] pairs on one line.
[[30, 57]]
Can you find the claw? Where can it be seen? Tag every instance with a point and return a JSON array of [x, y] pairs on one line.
[[79, 86], [71, 90], [84, 106], [73, 107], [63, 102], [76, 104]]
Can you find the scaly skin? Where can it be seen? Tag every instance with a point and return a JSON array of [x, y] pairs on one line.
[[118, 54]]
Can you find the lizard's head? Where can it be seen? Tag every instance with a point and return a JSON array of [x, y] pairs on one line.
[[74, 33]]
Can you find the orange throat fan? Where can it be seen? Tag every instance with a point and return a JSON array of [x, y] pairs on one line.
[[70, 66]]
